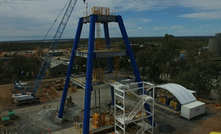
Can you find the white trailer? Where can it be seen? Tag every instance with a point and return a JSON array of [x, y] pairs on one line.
[[193, 109]]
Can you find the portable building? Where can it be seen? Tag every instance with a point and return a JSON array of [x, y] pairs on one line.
[[193, 109]]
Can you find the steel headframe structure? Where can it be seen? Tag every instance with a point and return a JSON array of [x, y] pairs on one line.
[[92, 19]]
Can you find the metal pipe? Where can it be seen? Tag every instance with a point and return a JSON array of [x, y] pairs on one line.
[[107, 39], [99, 93], [112, 94], [95, 98], [88, 86], [129, 49]]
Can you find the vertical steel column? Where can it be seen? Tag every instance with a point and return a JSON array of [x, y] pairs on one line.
[[129, 49], [107, 39], [132, 59], [70, 67], [153, 124], [112, 94], [88, 86]]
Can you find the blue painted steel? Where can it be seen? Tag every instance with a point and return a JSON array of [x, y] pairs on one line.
[[70, 68], [147, 107], [88, 86], [107, 39], [129, 49], [53, 46], [112, 95], [132, 59], [16, 87]]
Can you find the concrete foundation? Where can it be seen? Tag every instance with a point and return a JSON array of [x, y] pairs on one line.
[[58, 120]]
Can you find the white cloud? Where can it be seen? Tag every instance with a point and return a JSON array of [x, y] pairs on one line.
[[146, 20], [160, 28], [140, 28], [201, 4], [203, 15], [48, 10], [163, 28], [176, 27], [144, 5], [34, 17]]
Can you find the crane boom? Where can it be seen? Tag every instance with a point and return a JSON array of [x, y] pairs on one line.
[[34, 86]]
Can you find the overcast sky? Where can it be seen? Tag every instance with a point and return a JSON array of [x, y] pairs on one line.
[[31, 19]]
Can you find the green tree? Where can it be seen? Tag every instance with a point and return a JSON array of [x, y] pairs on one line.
[[159, 59], [21, 67], [81, 64], [196, 71], [1, 72]]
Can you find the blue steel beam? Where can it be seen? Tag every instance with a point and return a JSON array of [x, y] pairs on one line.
[[70, 68], [88, 86], [112, 95], [107, 39], [132, 59], [129, 49]]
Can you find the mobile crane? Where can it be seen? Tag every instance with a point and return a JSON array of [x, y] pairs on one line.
[[29, 95]]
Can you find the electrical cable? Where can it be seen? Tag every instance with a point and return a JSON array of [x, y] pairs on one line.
[[115, 30], [55, 21]]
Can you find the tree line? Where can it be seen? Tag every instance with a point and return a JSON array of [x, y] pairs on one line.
[[162, 62], [19, 68], [159, 61]]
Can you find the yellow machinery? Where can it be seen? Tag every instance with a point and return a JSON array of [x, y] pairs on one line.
[[162, 100], [58, 85], [215, 133], [174, 104], [98, 74], [98, 120]]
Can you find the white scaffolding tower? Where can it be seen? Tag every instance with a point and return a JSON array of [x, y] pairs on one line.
[[138, 115]]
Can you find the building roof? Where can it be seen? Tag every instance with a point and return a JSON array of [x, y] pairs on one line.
[[194, 104], [55, 63], [181, 93]]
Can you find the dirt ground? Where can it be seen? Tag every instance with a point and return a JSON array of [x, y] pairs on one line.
[[5, 96], [40, 117], [210, 122], [45, 94], [203, 124]]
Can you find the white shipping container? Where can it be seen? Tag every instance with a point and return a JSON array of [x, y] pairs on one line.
[[193, 109]]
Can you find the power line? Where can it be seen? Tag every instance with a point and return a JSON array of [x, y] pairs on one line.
[[115, 30], [55, 21]]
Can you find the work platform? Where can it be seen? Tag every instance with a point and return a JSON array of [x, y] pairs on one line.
[[101, 18], [107, 78], [102, 53]]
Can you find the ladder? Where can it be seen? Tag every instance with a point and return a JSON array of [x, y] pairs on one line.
[[133, 113], [143, 127]]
